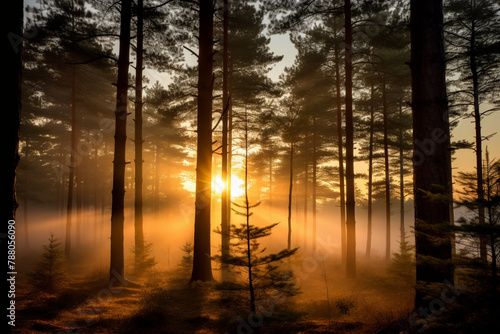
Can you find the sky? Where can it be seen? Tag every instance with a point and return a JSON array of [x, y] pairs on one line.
[[465, 159]]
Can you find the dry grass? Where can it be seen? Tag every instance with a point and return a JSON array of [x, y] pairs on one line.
[[163, 302]]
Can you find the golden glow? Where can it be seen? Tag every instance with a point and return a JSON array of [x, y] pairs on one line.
[[237, 185], [218, 184]]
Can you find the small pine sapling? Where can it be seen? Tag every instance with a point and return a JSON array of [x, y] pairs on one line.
[[147, 262], [187, 259], [403, 262], [247, 258], [50, 270], [258, 272]]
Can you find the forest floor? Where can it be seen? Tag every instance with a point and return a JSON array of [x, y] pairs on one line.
[[164, 302]]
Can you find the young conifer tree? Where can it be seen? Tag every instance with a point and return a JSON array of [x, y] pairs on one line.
[[50, 271], [247, 256]]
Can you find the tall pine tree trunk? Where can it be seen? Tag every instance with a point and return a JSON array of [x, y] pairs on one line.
[[479, 139], [96, 193], [253, 304], [79, 202], [370, 174], [103, 187], [431, 137], [340, 150], [401, 180], [202, 267], [349, 146], [86, 187], [387, 175], [225, 121], [306, 190], [12, 46], [118, 192], [314, 185], [156, 183], [69, 213], [290, 189], [229, 144], [229, 158], [61, 186], [72, 165], [270, 187], [58, 190], [25, 209], [490, 183], [138, 204]]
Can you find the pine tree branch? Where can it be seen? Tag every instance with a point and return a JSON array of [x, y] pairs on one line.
[[192, 52]]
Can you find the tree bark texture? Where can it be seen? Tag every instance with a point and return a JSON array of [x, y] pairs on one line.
[[138, 203], [202, 267], [349, 146], [432, 176], [118, 191]]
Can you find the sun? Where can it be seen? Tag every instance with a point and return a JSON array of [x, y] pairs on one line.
[[237, 185], [218, 184]]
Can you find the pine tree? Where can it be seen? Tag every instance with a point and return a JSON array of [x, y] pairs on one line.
[[432, 173], [403, 262], [370, 147], [246, 254], [118, 192], [385, 72], [14, 16], [340, 140], [310, 80], [187, 259], [155, 26], [349, 146], [138, 141], [67, 78], [473, 42], [202, 267], [148, 260], [225, 199], [50, 271], [246, 59], [290, 135], [470, 228]]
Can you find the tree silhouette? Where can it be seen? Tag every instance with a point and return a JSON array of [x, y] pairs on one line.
[[118, 192], [432, 175], [13, 45], [50, 271], [246, 253], [470, 228], [202, 268], [349, 146], [473, 39]]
